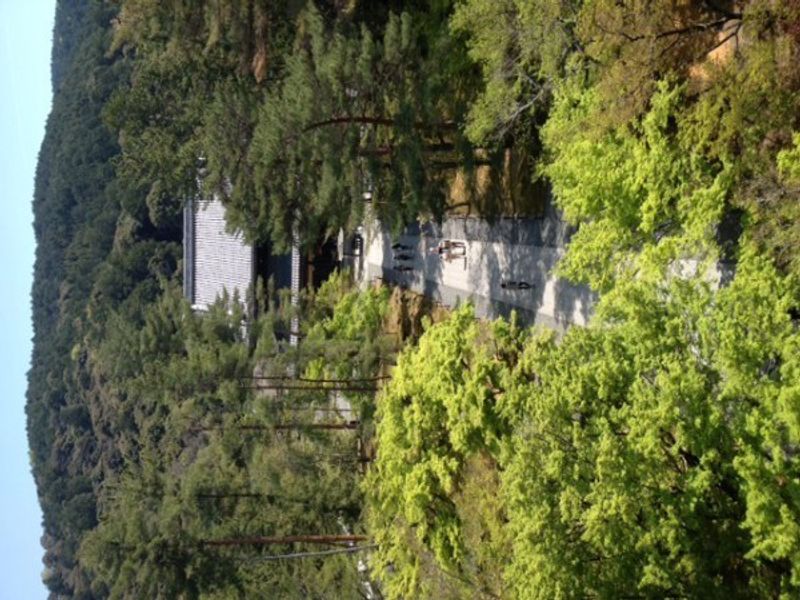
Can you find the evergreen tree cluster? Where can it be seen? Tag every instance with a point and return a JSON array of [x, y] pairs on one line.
[[93, 254], [340, 100], [227, 462]]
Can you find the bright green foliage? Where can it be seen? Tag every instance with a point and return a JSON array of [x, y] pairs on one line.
[[651, 453], [644, 197], [620, 465], [665, 131], [351, 338], [342, 344], [357, 314], [789, 161], [654, 454], [437, 411]]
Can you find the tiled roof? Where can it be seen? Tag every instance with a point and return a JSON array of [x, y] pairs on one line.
[[214, 259]]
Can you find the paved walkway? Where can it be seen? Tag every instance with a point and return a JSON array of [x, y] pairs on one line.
[[510, 250]]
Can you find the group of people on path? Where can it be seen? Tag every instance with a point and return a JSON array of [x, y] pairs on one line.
[[447, 250], [401, 256]]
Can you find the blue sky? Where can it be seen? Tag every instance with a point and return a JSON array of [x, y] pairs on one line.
[[26, 28]]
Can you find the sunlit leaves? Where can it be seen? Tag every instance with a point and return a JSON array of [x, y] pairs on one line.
[[651, 453]]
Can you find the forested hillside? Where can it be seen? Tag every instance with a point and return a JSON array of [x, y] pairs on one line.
[[653, 453], [96, 251]]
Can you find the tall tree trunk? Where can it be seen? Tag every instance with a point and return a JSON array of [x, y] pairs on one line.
[[315, 380], [384, 121], [389, 150], [281, 427], [322, 409], [296, 555], [323, 426], [287, 539], [311, 388]]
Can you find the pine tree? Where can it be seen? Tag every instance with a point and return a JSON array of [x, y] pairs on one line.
[[353, 115]]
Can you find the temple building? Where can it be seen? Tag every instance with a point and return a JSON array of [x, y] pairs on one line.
[[218, 262]]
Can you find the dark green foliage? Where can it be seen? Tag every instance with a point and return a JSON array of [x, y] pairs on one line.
[[186, 114], [521, 48], [291, 116], [355, 112], [80, 260], [200, 459]]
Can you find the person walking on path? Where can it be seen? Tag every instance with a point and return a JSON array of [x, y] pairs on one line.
[[448, 250], [515, 285]]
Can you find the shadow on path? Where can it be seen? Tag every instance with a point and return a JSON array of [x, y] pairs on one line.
[[507, 250]]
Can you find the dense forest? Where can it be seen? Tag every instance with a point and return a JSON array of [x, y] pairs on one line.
[[402, 450]]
